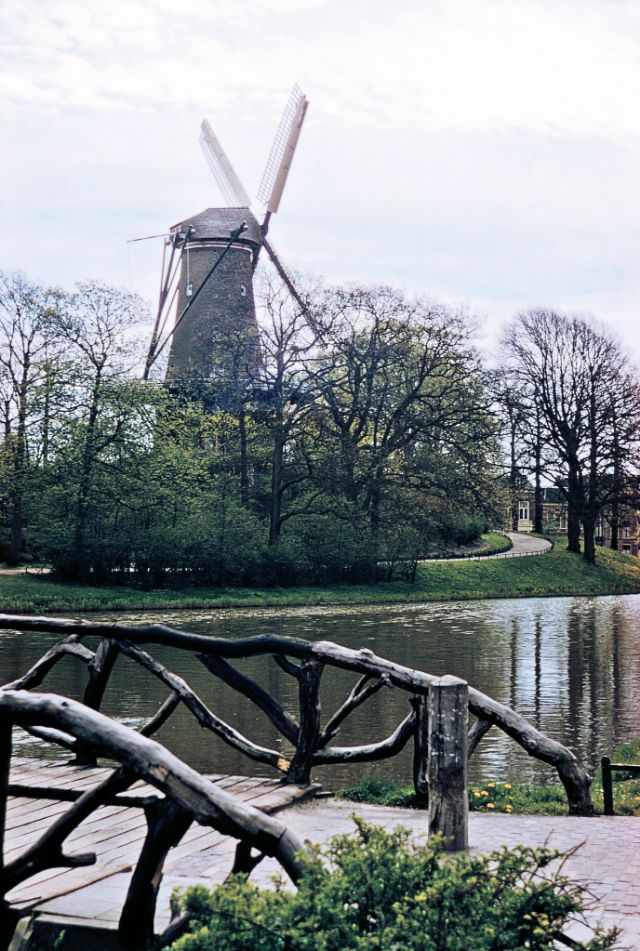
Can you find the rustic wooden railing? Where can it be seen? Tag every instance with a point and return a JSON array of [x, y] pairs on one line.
[[188, 796], [310, 740], [608, 768], [436, 721]]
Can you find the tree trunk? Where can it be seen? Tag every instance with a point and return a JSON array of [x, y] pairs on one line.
[[614, 521], [19, 472], [79, 566], [537, 499], [244, 465], [574, 509], [275, 506], [589, 528], [513, 483]]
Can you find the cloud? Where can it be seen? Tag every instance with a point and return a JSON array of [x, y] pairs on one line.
[[565, 67]]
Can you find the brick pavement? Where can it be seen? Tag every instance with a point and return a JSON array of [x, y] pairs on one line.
[[607, 862]]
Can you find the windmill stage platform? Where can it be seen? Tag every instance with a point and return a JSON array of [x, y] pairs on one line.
[[86, 902]]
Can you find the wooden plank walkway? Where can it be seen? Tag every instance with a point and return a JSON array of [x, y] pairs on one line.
[[115, 833]]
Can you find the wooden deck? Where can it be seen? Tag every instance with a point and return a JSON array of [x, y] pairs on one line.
[[115, 833]]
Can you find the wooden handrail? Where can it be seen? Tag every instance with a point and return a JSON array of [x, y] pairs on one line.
[[310, 740]]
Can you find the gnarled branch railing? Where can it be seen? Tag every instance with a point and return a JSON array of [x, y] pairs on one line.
[[188, 796], [305, 661]]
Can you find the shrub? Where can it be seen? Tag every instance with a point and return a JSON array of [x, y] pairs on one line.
[[374, 889]]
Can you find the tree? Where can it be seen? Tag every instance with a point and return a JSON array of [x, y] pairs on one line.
[[584, 389], [96, 325], [289, 389], [403, 404], [27, 348]]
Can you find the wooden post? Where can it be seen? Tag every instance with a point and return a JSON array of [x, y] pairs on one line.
[[607, 786], [167, 822], [99, 672], [448, 803], [421, 750], [309, 731], [5, 766]]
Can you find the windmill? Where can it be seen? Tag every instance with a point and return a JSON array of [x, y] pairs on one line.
[[207, 269]]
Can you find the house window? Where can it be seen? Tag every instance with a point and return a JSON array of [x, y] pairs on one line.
[[523, 511]]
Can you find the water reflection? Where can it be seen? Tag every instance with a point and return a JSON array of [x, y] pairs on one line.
[[570, 665]]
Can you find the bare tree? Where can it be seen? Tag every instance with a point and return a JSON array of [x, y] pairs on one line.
[[289, 384], [585, 389]]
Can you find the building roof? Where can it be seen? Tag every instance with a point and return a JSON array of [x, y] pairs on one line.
[[218, 223]]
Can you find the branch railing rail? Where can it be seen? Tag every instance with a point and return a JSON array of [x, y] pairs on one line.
[[305, 661], [185, 796]]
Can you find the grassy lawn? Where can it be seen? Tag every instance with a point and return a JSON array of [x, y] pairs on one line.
[[515, 798], [555, 573]]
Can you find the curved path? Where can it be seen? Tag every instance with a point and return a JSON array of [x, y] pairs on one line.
[[521, 546], [524, 545]]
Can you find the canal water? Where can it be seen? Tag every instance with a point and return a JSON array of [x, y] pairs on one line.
[[569, 665]]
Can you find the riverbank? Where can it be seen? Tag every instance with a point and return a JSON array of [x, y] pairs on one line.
[[513, 797], [557, 573]]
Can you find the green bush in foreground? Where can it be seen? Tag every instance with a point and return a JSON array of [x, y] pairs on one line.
[[374, 889]]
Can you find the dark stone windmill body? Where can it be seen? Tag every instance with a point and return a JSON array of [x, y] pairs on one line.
[[208, 269]]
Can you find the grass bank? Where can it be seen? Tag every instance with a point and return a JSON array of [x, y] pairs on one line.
[[554, 573], [517, 798]]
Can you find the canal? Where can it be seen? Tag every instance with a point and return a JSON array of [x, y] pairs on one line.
[[570, 665]]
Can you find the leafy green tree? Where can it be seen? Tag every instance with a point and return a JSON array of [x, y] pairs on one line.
[[96, 326], [27, 349], [402, 403]]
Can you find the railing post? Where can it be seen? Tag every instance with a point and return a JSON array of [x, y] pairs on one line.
[[448, 799], [309, 732], [607, 786], [5, 766], [421, 750], [99, 672]]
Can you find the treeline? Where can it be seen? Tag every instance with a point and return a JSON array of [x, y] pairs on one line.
[[371, 435], [366, 439]]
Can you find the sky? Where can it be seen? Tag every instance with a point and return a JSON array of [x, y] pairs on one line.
[[482, 152]]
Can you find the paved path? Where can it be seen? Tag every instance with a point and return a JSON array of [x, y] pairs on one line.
[[608, 861], [521, 546]]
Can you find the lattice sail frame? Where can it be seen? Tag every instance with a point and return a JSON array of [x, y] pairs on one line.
[[282, 150], [228, 182]]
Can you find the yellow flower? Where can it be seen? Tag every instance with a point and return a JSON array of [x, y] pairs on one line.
[[490, 785], [507, 785], [484, 793], [476, 793], [491, 805], [508, 808]]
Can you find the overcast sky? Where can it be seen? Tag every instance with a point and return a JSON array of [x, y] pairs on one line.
[[478, 151]]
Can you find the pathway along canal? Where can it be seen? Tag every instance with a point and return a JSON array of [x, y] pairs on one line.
[[570, 665]]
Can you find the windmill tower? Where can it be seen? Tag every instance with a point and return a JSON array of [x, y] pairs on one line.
[[208, 265]]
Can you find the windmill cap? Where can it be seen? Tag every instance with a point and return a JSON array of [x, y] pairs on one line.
[[218, 223]]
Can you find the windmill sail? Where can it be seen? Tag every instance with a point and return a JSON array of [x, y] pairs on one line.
[[282, 150], [223, 171], [215, 353]]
